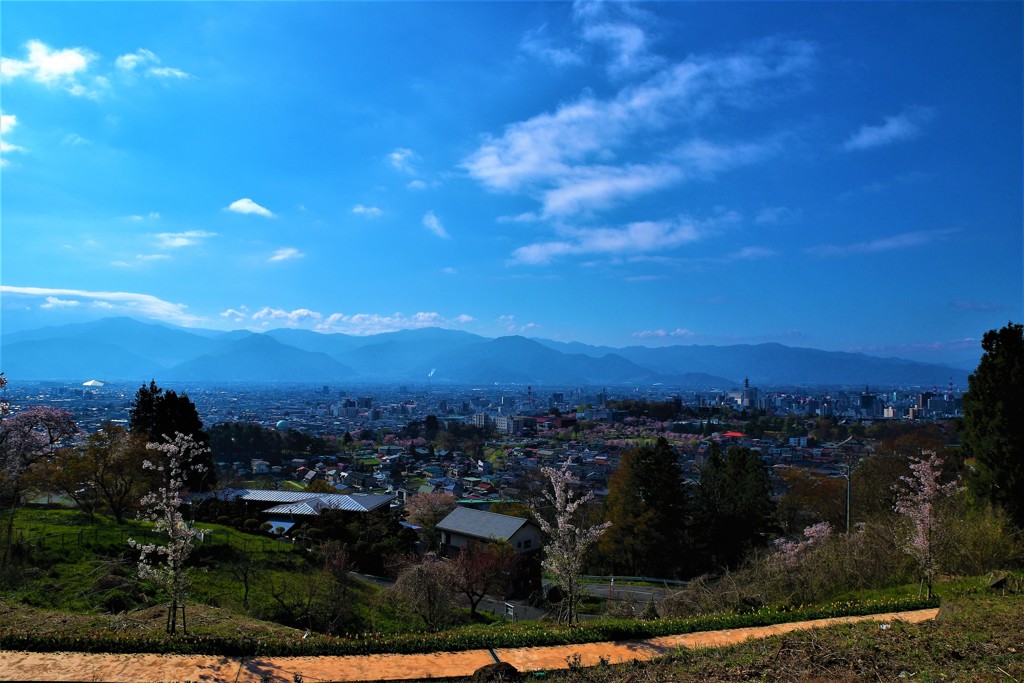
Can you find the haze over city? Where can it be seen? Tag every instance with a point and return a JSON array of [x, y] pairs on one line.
[[828, 175]]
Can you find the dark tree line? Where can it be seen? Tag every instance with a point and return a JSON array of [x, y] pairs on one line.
[[663, 527]]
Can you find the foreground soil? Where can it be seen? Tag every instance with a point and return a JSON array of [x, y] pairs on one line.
[[62, 666]]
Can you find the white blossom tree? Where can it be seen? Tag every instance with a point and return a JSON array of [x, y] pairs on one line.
[[918, 498], [165, 564], [569, 539]]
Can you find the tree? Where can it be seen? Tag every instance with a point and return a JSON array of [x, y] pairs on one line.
[[918, 498], [733, 509], [426, 510], [994, 421], [569, 538], [646, 506], [159, 414], [163, 508], [423, 589], [107, 471], [25, 438], [481, 568]]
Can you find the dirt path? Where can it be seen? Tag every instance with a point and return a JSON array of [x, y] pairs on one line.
[[63, 666]]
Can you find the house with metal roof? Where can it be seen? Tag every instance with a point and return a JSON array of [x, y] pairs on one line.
[[465, 525]]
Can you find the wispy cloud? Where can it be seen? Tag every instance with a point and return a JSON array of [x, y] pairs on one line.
[[236, 315], [432, 223], [177, 240], [368, 211], [980, 306], [248, 206], [905, 126], [401, 159], [635, 238], [373, 323], [55, 302], [679, 332], [285, 254], [904, 240], [296, 318], [538, 44], [140, 260], [146, 62], [129, 303], [7, 124]]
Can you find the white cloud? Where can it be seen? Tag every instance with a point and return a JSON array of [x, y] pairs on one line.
[[536, 44], [141, 259], [7, 123], [635, 238], [546, 148], [296, 318], [146, 61], [54, 302], [510, 323], [416, 185], [372, 323], [368, 211], [432, 223], [751, 254], [628, 44], [449, 271], [167, 72], [129, 303], [598, 187], [905, 126], [678, 332], [235, 315], [48, 66], [285, 254], [774, 215], [142, 56], [177, 240], [904, 240], [401, 160], [74, 140], [248, 206]]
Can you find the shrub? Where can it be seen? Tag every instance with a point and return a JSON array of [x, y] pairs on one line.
[[251, 524]]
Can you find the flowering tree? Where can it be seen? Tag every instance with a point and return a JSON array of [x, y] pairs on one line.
[[918, 497], [427, 510], [165, 564], [25, 438], [568, 538], [788, 553]]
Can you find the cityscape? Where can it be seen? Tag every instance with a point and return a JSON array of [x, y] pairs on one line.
[[507, 341]]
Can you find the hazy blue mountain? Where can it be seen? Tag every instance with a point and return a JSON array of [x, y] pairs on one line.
[[774, 364], [122, 348], [75, 360], [163, 345], [260, 358]]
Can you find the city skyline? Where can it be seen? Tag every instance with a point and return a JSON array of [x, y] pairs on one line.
[[836, 176]]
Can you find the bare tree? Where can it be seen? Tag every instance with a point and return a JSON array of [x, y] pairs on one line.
[[423, 590], [569, 538], [481, 568]]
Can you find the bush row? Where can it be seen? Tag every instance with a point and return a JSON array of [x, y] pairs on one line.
[[468, 638]]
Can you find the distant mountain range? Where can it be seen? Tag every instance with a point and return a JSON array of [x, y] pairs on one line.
[[129, 350]]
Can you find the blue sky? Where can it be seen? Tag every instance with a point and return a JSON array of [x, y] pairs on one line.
[[840, 176]]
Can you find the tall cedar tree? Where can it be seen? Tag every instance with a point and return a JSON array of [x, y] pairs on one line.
[[994, 420], [646, 505], [733, 508], [159, 415]]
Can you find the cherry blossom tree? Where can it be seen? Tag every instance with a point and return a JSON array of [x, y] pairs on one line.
[[918, 498], [569, 539], [426, 510], [165, 564], [25, 438]]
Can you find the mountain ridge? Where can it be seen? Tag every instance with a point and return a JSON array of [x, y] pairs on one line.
[[93, 350]]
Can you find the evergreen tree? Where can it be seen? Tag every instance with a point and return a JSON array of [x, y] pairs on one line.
[[994, 420], [733, 510], [160, 415], [646, 506]]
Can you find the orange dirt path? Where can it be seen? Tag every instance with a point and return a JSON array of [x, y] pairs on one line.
[[74, 666]]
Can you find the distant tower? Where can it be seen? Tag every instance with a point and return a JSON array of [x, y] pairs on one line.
[[529, 395], [949, 390]]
